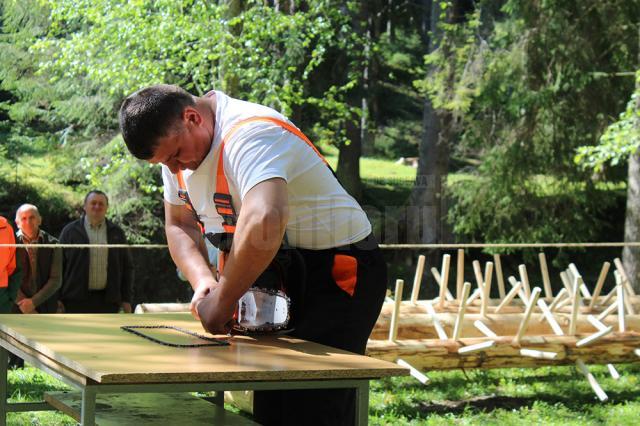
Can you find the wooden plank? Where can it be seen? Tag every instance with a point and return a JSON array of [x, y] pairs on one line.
[[148, 409], [96, 347]]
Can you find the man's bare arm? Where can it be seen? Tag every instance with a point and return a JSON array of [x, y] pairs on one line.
[[187, 249], [259, 232]]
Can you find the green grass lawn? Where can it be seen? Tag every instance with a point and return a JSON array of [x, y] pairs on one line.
[[543, 396]]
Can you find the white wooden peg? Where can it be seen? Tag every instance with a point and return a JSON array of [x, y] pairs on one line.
[[596, 323], [415, 373], [395, 316], [563, 293], [548, 294], [473, 297], [457, 329], [625, 277], [524, 279], [549, 317], [599, 283], [499, 276], [607, 311], [527, 314], [460, 275], [444, 278], [592, 380], [533, 353], [509, 297], [476, 347], [614, 373], [486, 290], [575, 305], [484, 329], [594, 337], [442, 335], [417, 280]]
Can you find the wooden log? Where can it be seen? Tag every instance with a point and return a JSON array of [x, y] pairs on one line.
[[444, 278], [548, 294], [417, 279], [592, 380], [460, 275], [603, 275], [499, 276], [430, 354], [421, 325], [393, 329]]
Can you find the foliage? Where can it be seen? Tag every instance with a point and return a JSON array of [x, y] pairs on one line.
[[534, 100], [619, 141]]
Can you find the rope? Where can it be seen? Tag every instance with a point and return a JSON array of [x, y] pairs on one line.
[[382, 246], [214, 342]]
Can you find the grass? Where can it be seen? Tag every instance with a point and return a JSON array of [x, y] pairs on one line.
[[547, 395]]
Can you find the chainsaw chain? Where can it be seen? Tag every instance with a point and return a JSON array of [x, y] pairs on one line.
[[214, 342]]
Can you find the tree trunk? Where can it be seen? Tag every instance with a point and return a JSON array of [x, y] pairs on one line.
[[427, 204], [631, 255]]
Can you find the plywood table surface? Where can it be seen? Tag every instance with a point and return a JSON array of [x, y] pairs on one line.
[[95, 346]]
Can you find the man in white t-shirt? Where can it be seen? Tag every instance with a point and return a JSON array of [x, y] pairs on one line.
[[243, 171]]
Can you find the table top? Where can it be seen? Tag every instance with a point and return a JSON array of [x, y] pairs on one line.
[[95, 347]]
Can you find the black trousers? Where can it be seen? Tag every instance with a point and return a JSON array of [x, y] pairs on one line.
[[335, 318], [94, 304]]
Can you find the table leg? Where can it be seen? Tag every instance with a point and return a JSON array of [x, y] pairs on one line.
[[4, 360], [88, 410], [218, 398], [362, 403]]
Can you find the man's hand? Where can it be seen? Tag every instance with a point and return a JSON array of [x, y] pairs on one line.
[[26, 306], [202, 290], [126, 307], [215, 312]]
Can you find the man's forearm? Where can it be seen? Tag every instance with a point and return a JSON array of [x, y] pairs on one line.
[[187, 255]]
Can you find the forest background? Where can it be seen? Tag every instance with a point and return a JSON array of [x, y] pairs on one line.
[[524, 116]]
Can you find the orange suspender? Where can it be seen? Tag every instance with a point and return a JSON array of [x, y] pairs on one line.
[[222, 196]]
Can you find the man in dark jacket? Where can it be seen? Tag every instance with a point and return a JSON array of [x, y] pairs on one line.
[[95, 280], [42, 267]]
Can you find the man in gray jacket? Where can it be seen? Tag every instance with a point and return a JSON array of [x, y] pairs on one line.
[[42, 267]]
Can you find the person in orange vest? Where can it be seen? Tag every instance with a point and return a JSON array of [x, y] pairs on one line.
[[246, 178], [10, 271]]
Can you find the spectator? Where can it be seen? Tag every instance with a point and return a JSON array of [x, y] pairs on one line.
[[42, 267], [95, 280], [10, 273]]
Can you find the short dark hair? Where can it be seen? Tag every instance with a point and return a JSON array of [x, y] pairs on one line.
[[97, 192], [148, 114]]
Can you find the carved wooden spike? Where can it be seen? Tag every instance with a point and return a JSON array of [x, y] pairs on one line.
[[603, 275], [549, 317], [625, 277], [393, 330], [593, 337], [417, 280], [607, 311], [614, 373], [499, 276], [488, 274], [484, 329], [596, 323], [533, 353], [444, 278], [561, 295], [476, 347], [548, 294], [575, 305], [592, 380], [527, 314], [509, 297], [460, 275], [436, 323], [463, 307], [524, 279], [415, 373], [566, 282]]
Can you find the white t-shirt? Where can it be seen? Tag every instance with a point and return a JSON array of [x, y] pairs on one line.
[[321, 213]]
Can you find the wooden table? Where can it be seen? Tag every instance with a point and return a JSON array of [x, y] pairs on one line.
[[92, 353]]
